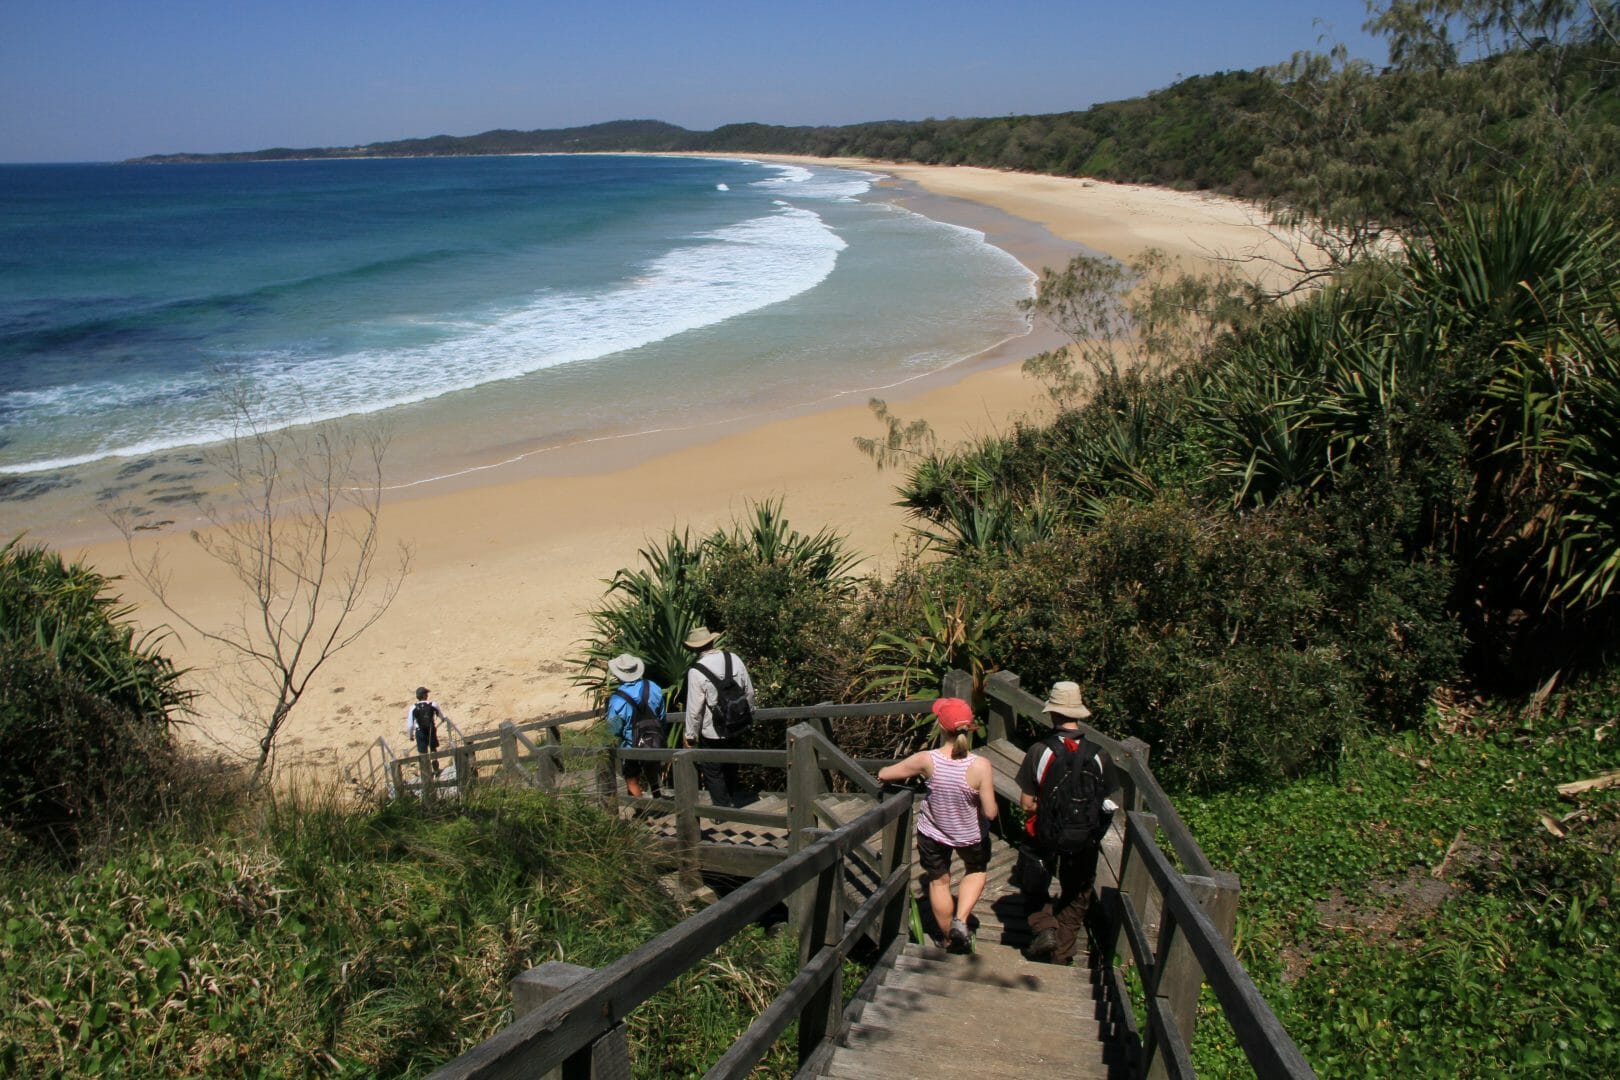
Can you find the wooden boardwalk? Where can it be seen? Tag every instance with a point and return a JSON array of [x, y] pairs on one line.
[[941, 1014], [988, 1013], [837, 850]]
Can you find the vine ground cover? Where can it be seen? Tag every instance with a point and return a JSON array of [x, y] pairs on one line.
[[1433, 906]]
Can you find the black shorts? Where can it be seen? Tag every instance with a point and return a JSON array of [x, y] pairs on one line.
[[935, 857], [631, 770]]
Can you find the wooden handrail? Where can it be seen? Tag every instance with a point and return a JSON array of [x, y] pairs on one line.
[[561, 1032], [1185, 925], [1194, 904]]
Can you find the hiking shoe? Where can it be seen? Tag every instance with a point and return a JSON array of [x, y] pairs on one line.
[[959, 934], [1043, 943]]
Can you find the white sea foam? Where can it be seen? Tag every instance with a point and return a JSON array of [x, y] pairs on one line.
[[798, 182], [707, 279]]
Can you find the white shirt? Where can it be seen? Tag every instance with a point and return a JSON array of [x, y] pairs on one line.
[[701, 695], [410, 718]]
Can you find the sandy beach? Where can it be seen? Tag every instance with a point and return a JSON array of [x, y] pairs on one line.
[[506, 560]]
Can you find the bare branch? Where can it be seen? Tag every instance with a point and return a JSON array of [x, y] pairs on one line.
[[297, 527]]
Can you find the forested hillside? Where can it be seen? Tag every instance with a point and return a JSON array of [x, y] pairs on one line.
[[1470, 89]]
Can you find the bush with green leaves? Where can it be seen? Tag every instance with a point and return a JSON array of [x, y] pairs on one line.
[[778, 596], [311, 937], [1248, 647], [85, 706]]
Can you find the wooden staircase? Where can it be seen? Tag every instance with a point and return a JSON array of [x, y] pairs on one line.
[[987, 1013]]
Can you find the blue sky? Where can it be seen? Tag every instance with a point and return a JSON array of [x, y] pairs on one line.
[[97, 80]]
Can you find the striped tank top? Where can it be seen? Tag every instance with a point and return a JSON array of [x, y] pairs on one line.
[[950, 814]]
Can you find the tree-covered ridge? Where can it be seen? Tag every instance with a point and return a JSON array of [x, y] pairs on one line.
[[1473, 92], [1198, 133]]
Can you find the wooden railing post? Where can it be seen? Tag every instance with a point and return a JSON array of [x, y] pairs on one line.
[[607, 779], [1181, 977], [1135, 884], [424, 774], [1140, 750], [545, 768], [466, 769], [396, 773], [803, 780], [1003, 719], [509, 751], [825, 927], [896, 858], [607, 1057], [688, 831]]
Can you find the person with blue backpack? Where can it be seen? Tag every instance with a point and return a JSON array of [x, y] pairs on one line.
[[719, 708], [635, 714], [1061, 787]]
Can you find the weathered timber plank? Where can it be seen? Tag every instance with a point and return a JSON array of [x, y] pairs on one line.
[[1018, 994], [886, 1063], [1031, 976]]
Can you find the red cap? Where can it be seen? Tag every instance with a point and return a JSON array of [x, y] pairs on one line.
[[955, 715]]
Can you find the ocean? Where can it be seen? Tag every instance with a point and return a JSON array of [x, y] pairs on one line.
[[508, 304]]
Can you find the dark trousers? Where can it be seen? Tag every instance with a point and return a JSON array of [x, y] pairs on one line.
[[1066, 913], [721, 780]]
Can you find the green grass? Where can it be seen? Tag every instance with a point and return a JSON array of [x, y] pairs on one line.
[[1410, 914], [312, 939]]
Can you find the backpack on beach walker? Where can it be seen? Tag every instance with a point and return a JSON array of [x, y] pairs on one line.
[[732, 714], [422, 712], [646, 726], [1069, 816]]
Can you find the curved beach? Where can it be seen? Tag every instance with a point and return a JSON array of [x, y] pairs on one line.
[[506, 559]]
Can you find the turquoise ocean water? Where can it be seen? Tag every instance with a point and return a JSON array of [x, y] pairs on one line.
[[505, 303]]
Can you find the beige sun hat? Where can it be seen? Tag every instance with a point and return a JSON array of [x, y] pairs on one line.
[[1065, 701], [626, 668], [701, 638]]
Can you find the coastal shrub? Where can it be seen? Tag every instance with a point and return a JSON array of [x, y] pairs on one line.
[[73, 766], [1237, 647], [315, 938], [85, 707], [779, 596], [67, 611]]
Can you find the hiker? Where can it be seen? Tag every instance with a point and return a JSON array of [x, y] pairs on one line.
[[719, 707], [961, 802], [422, 724], [1061, 780], [635, 714]]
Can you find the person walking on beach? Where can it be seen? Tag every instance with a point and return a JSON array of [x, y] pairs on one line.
[[719, 707], [954, 818], [422, 724], [1060, 783], [635, 714]]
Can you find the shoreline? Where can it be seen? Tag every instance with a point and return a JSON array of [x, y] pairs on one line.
[[163, 487], [507, 558]]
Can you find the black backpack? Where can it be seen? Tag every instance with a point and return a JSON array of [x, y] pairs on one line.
[[1070, 812], [646, 726], [732, 713], [423, 712]]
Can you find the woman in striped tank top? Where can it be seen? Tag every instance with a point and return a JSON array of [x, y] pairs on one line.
[[961, 798]]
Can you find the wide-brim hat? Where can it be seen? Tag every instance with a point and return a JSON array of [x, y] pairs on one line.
[[1065, 701], [701, 638], [626, 668]]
